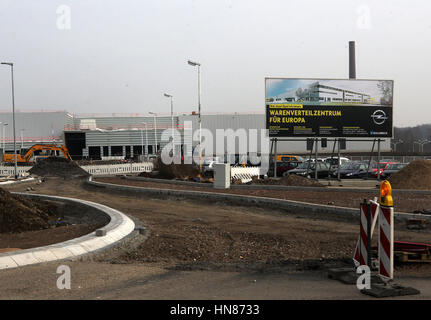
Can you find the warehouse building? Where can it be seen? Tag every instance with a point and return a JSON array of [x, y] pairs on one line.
[[99, 136], [318, 92]]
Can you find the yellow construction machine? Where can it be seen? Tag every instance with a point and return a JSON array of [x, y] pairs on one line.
[[37, 151]]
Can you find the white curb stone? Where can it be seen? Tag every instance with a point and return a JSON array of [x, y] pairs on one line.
[[118, 228]]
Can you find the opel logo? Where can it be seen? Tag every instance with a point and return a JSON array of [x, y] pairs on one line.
[[379, 117]]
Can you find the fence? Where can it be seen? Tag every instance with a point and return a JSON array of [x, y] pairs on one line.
[[107, 169], [245, 174], [403, 159], [113, 169], [6, 171]]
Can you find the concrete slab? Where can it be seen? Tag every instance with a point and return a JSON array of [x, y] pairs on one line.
[[76, 249], [389, 290], [94, 244], [44, 255], [61, 253], [23, 259], [344, 275], [7, 262]]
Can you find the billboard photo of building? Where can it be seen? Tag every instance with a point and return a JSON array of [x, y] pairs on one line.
[[311, 91]]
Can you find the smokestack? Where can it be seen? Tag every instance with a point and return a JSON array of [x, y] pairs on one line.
[[352, 60]]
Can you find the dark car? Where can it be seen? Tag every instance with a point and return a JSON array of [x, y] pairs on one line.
[[352, 170], [282, 167], [392, 168], [307, 169]]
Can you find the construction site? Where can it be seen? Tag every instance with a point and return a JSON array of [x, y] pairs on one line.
[[265, 239], [224, 151]]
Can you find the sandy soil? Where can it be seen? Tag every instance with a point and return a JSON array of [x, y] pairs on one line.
[[194, 248], [33, 239], [404, 202]]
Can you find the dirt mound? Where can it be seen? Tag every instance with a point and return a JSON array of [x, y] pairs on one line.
[[18, 214], [58, 167], [290, 180], [416, 175], [173, 171]]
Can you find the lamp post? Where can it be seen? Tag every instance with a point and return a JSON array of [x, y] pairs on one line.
[[421, 144], [155, 129], [22, 138], [146, 139], [172, 121], [196, 64], [395, 143], [4, 136], [13, 117]]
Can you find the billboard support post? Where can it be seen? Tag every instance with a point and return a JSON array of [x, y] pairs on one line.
[[339, 161], [275, 158], [371, 157], [315, 159], [378, 159]]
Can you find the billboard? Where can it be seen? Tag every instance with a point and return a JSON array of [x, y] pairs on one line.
[[329, 108]]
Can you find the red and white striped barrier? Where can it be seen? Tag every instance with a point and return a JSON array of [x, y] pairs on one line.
[[361, 252], [386, 242], [386, 238]]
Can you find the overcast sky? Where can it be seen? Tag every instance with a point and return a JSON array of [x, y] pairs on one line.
[[120, 56]]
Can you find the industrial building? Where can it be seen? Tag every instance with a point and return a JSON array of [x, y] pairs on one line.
[[97, 136], [318, 92]]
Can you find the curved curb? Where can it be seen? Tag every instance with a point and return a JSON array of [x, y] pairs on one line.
[[274, 187], [247, 200], [119, 227], [31, 179]]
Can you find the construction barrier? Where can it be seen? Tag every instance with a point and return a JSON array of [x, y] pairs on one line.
[[245, 174], [361, 256], [386, 242], [108, 169], [369, 212], [113, 169], [6, 171]]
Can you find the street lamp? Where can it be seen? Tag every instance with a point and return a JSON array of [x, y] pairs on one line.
[[172, 120], [13, 116], [4, 136], [155, 129], [196, 64], [146, 139], [421, 144], [395, 143], [22, 138]]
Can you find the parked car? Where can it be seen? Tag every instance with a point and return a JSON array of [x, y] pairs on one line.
[[287, 157], [314, 160], [307, 169], [392, 168], [333, 161], [350, 170], [282, 167], [382, 167]]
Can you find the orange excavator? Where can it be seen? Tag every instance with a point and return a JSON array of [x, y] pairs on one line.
[[34, 152]]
